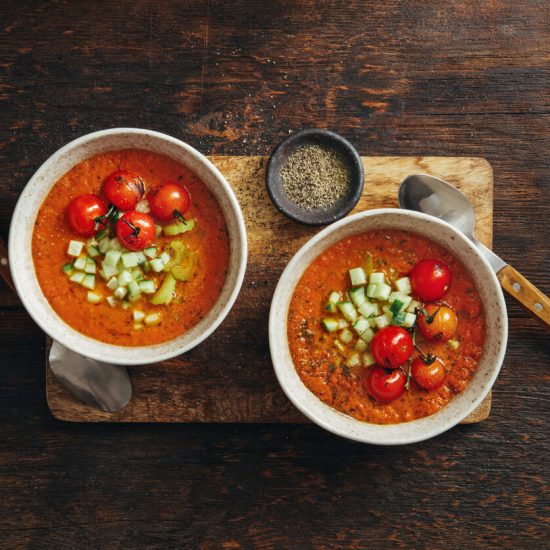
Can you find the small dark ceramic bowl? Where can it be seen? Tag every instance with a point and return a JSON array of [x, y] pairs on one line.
[[314, 216]]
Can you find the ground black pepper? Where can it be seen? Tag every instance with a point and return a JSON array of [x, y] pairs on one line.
[[315, 176]]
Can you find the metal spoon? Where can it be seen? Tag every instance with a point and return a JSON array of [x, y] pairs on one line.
[[438, 198], [101, 385]]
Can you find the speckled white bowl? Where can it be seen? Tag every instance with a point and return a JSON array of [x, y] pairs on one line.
[[461, 405], [37, 189]]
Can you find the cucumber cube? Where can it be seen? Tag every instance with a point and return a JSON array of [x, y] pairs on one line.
[[403, 285], [152, 319], [368, 308], [111, 258], [403, 298], [89, 281], [93, 251], [165, 257], [367, 335], [104, 245], [147, 286], [335, 297], [409, 320], [138, 315], [112, 284], [109, 270], [125, 278], [115, 244], [371, 290], [140, 257], [382, 321], [77, 277], [342, 323], [120, 292], [138, 326], [129, 259], [357, 295], [377, 278], [157, 265], [354, 360], [346, 336], [329, 324], [112, 301], [361, 325], [358, 276], [150, 252], [90, 266], [368, 359], [75, 248], [80, 263], [93, 297], [383, 291], [133, 290], [361, 345], [348, 311], [137, 274], [330, 307], [413, 306]]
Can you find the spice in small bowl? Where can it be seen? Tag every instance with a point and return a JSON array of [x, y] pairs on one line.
[[315, 177]]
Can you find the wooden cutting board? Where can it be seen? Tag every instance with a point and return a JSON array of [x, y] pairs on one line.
[[229, 377]]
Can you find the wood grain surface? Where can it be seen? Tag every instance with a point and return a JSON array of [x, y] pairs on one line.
[[396, 78], [181, 390]]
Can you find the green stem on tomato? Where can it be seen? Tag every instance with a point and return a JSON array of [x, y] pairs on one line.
[[426, 359]]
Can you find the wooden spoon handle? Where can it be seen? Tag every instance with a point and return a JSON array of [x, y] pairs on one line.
[[4, 265], [527, 294]]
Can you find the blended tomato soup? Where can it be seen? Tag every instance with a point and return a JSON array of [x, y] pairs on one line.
[[191, 299], [321, 360]]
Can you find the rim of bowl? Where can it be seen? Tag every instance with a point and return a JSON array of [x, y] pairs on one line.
[[287, 284], [103, 349]]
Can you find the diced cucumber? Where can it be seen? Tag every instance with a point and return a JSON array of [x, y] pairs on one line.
[[348, 311], [396, 306], [68, 269], [133, 289], [111, 258], [165, 257], [112, 301], [334, 297], [77, 277], [151, 252], [129, 259], [339, 346], [75, 248], [90, 266], [93, 297], [93, 251], [80, 263], [329, 324], [102, 275], [89, 281], [346, 336], [403, 285], [354, 360], [377, 278], [125, 304], [331, 307], [413, 306], [360, 345], [357, 295], [147, 287], [453, 344], [146, 266], [361, 325], [398, 318], [403, 298], [141, 257], [165, 293], [114, 244], [138, 326], [104, 245], [382, 320], [367, 335], [158, 230], [368, 308], [371, 290], [125, 278], [152, 319], [178, 228], [120, 292], [91, 242], [109, 270], [409, 320], [138, 315], [368, 359], [382, 291], [157, 265], [357, 276], [342, 323], [112, 284], [137, 274]]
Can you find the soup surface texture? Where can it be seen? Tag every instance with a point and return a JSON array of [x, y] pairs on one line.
[[321, 365], [115, 325]]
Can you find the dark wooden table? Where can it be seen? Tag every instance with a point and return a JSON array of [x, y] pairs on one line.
[[396, 78]]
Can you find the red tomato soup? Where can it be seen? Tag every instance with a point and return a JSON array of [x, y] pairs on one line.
[[99, 312], [335, 367]]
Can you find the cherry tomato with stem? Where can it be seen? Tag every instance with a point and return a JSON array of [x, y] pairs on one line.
[[384, 385], [169, 201], [135, 230], [428, 371], [437, 322], [430, 279], [83, 212], [124, 189], [391, 347]]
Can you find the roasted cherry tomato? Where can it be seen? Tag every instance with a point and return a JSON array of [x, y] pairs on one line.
[[124, 189], [439, 323], [135, 230], [169, 201], [429, 373], [383, 384], [82, 214], [430, 279], [391, 346]]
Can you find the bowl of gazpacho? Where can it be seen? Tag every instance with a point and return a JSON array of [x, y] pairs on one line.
[[128, 246], [388, 327]]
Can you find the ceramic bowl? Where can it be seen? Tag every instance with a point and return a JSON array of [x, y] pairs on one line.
[[462, 404], [315, 216], [37, 189]]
